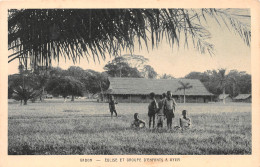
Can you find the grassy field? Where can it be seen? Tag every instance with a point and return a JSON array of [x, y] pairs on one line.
[[80, 127]]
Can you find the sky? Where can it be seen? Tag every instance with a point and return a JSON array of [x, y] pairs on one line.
[[230, 53]]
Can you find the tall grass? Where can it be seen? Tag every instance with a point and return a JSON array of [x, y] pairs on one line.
[[84, 129]]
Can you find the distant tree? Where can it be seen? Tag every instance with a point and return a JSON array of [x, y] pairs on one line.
[[167, 76], [118, 67], [22, 85], [96, 82], [244, 83], [232, 81], [184, 87], [40, 78], [222, 79], [208, 78], [13, 81], [235, 82], [10, 92], [56, 72], [25, 93], [135, 61], [203, 77], [76, 72], [149, 72], [65, 86]]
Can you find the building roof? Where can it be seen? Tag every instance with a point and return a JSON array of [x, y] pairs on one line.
[[242, 96], [143, 86], [223, 96]]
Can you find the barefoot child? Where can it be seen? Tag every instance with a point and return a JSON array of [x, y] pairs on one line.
[[137, 123], [185, 122], [160, 112], [112, 106], [169, 109], [152, 108]]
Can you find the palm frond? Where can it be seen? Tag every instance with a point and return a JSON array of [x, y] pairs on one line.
[[184, 85], [42, 35]]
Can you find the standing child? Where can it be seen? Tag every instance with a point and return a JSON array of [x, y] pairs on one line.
[[137, 123], [169, 109], [112, 106], [152, 108], [185, 122], [160, 113]]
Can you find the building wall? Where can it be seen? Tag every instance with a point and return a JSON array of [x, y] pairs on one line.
[[193, 99], [145, 99], [133, 98], [247, 100], [227, 100]]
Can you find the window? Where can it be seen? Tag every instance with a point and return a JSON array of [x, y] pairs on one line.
[[125, 97]]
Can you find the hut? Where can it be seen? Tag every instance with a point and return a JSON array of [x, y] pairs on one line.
[[243, 98], [227, 98], [137, 90]]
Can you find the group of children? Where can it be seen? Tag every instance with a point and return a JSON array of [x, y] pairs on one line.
[[164, 109]]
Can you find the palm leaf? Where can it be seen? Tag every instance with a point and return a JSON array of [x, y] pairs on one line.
[[43, 35]]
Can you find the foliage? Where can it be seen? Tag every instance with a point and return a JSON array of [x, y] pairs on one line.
[[43, 35], [135, 61], [10, 92], [235, 82], [149, 72], [25, 93], [65, 86], [119, 67], [23, 86], [96, 82], [167, 76]]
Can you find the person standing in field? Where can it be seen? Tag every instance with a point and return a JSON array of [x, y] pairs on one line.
[[169, 108], [152, 108], [112, 106], [160, 111]]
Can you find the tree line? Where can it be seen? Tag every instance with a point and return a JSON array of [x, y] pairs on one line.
[[32, 84], [220, 82]]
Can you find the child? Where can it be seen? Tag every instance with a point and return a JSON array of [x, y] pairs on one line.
[[152, 108], [160, 112], [112, 106], [137, 123], [169, 108], [185, 122]]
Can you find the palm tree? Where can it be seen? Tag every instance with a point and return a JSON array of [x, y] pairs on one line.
[[43, 35], [25, 93], [184, 87], [234, 84], [222, 82]]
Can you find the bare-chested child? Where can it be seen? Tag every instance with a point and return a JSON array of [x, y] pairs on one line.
[[152, 108], [137, 123], [160, 111], [112, 106], [169, 109], [185, 122]]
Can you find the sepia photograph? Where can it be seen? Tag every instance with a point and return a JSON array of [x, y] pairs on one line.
[[146, 81]]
